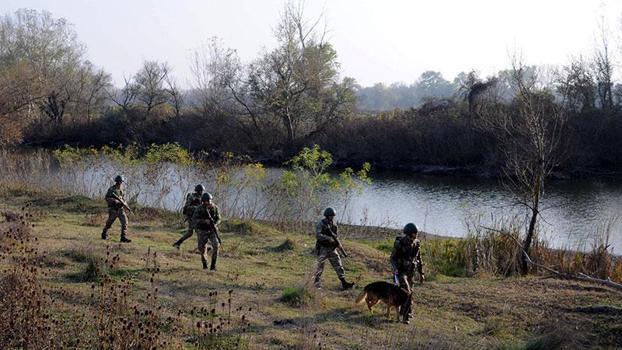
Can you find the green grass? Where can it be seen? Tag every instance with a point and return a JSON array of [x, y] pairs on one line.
[[266, 269]]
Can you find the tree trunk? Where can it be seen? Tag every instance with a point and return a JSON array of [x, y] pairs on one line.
[[532, 226], [287, 120]]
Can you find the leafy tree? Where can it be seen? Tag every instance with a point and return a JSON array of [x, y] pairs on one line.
[[43, 74], [293, 90], [297, 83]]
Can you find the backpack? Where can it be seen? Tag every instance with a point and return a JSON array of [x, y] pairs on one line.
[[188, 209]]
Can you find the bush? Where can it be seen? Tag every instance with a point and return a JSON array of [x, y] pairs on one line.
[[287, 245], [95, 269], [297, 296]]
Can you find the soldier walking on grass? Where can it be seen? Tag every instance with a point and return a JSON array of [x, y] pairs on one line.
[[326, 249], [406, 256], [116, 208], [193, 200], [205, 220]]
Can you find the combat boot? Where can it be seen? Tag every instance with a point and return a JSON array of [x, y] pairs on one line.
[[345, 285], [125, 239], [213, 265], [316, 283], [104, 235], [204, 262]]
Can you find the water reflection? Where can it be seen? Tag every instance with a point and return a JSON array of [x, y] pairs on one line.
[[574, 210]]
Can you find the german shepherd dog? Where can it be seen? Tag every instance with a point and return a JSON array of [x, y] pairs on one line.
[[390, 294]]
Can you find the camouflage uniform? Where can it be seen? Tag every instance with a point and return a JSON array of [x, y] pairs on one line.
[[200, 222], [326, 249], [193, 200], [115, 210], [406, 256]]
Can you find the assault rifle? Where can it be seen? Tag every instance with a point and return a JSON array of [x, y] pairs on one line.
[[212, 225], [123, 203], [339, 246]]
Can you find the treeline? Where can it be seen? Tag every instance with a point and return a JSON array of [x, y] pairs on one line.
[[294, 96], [430, 85]]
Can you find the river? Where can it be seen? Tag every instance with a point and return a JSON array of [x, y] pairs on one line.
[[573, 210]]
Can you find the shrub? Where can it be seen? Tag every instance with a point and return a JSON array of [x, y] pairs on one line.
[[297, 296], [287, 245]]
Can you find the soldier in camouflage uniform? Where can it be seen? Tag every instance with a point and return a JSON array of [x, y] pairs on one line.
[[406, 256], [115, 209], [326, 249], [193, 200], [205, 220]]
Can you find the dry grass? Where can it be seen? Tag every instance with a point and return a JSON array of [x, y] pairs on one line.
[[149, 294]]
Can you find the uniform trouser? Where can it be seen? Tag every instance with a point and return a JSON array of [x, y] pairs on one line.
[[331, 255], [186, 235], [405, 280], [113, 214], [205, 237]]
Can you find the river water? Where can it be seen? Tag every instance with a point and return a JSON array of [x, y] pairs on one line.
[[573, 211]]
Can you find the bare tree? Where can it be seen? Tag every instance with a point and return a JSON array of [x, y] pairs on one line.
[[529, 133], [216, 75], [149, 82], [91, 86], [124, 97], [221, 82], [54, 106], [603, 71], [176, 95]]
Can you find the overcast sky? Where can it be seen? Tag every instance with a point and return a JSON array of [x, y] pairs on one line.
[[377, 41]]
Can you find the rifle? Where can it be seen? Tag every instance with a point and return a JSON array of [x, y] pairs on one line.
[[339, 246], [123, 203], [213, 225]]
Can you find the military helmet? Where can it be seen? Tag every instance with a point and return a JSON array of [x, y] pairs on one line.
[[206, 197], [329, 212], [199, 188], [410, 229], [119, 178]]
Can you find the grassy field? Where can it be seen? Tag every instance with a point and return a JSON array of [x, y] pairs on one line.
[[265, 272]]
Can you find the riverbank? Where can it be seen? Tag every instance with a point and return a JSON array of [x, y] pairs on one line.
[[263, 267]]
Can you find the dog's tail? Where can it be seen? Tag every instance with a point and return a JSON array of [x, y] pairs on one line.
[[361, 297]]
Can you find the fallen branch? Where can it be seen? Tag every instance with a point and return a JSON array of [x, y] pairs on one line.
[[580, 276]]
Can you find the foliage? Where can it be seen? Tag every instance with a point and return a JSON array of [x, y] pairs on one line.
[[168, 152], [445, 256], [47, 82], [308, 177], [297, 296]]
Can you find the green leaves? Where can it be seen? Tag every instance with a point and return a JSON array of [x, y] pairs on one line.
[[309, 176], [128, 155], [168, 152], [313, 159]]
